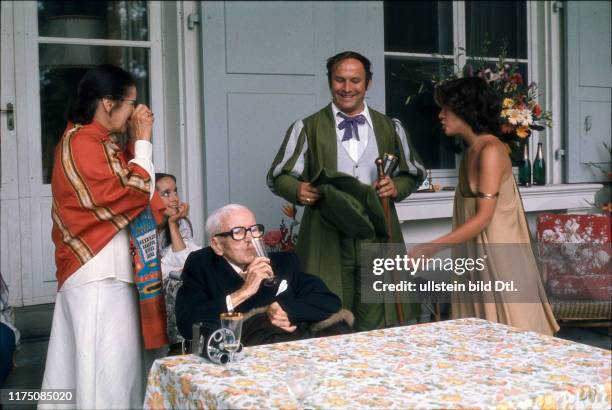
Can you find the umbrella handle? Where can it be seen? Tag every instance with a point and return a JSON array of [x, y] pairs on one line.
[[387, 210]]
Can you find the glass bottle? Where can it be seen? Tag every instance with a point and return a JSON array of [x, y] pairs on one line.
[[539, 168], [525, 168]]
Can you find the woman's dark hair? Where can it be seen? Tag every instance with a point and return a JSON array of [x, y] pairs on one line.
[[332, 61], [160, 175], [102, 81], [472, 100]]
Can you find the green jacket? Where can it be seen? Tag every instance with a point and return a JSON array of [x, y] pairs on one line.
[[309, 146]]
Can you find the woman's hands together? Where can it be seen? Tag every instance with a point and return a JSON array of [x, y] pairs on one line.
[[174, 214], [140, 124]]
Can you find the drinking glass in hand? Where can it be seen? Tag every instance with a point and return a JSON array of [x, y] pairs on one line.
[[300, 379], [260, 250], [231, 321]]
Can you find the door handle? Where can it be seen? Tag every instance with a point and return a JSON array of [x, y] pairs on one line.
[[10, 116], [587, 123]]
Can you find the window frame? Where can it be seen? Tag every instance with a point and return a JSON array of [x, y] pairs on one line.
[[156, 80], [448, 176]]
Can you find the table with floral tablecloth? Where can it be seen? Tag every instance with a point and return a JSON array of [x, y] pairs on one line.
[[467, 363]]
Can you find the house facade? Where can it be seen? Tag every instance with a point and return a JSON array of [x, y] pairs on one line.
[[226, 79]]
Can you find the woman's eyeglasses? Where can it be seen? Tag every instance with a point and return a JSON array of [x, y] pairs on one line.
[[133, 103], [238, 233]]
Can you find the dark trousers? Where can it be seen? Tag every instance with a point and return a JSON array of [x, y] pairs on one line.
[[368, 316], [7, 347]]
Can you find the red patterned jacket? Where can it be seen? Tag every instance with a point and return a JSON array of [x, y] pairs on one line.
[[96, 193]]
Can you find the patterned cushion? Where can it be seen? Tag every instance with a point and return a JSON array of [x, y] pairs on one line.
[[577, 287], [170, 288], [576, 254]]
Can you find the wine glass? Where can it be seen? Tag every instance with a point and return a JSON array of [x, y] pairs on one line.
[[231, 322], [299, 375], [260, 250]]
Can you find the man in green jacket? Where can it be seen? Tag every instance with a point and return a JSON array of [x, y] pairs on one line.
[[344, 137]]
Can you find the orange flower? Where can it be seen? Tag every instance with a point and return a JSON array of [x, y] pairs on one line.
[[417, 388], [290, 210], [537, 111], [156, 401], [272, 238], [185, 384], [506, 128], [451, 397], [516, 78], [522, 131]]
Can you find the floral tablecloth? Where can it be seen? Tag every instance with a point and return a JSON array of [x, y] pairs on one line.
[[467, 363]]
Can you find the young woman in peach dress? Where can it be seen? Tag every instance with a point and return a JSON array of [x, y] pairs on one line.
[[488, 215]]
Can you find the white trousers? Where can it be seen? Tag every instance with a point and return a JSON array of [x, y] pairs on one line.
[[96, 346]]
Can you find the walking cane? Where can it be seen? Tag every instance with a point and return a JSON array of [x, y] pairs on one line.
[[380, 168]]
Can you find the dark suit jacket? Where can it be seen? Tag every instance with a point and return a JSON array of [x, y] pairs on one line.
[[209, 278]]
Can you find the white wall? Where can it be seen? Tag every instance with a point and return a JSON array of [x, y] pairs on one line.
[[264, 68]]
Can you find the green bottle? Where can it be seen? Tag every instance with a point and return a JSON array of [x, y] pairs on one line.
[[525, 168], [539, 168]]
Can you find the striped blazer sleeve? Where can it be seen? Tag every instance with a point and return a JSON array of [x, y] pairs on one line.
[[288, 167], [411, 172]]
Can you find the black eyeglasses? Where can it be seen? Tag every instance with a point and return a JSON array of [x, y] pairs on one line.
[[133, 103], [238, 233]]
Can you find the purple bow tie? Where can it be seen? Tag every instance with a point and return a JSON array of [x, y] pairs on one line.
[[349, 124]]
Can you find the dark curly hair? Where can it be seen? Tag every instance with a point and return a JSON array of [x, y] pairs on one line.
[[472, 100], [160, 175]]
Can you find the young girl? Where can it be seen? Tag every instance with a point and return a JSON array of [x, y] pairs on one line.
[[175, 237]]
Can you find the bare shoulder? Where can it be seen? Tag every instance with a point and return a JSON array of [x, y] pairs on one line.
[[493, 148], [494, 154]]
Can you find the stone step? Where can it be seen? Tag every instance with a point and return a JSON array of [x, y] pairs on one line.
[[34, 321]]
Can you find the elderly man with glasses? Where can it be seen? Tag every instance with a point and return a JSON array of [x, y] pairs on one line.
[[227, 276]]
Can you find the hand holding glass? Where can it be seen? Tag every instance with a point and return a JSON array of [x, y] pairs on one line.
[[260, 250]]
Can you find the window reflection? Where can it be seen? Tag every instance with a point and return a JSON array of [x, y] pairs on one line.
[[115, 20], [420, 114], [419, 26], [60, 72], [417, 34], [497, 22]]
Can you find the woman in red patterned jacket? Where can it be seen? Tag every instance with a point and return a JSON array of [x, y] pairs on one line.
[[98, 189]]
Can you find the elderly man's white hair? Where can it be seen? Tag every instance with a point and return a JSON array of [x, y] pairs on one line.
[[214, 222]]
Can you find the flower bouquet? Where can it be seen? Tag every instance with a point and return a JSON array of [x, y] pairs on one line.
[[521, 112], [283, 239]]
